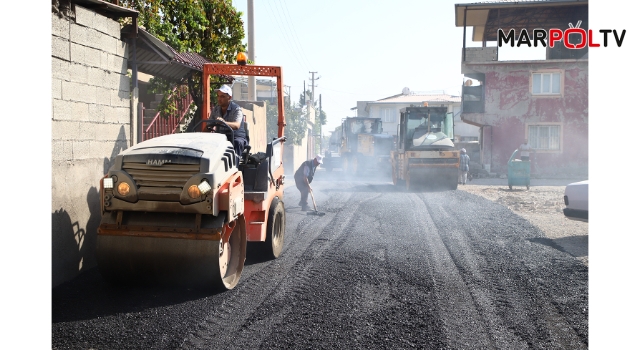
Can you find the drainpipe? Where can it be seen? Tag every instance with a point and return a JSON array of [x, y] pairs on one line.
[[491, 150], [134, 133], [464, 36], [481, 142]]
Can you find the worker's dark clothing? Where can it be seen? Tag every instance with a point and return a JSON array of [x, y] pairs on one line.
[[306, 170], [233, 114]]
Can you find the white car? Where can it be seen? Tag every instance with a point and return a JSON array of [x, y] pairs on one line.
[[576, 200]]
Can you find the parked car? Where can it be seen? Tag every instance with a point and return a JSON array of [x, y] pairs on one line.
[[576, 200]]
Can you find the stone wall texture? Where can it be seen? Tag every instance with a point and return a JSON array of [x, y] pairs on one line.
[[90, 124]]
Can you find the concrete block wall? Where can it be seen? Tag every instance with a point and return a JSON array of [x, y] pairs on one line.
[[295, 155], [90, 125], [256, 116], [481, 54]]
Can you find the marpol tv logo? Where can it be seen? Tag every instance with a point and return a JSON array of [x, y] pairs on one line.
[[580, 37]]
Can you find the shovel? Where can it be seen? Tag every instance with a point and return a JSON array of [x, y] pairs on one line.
[[315, 209]]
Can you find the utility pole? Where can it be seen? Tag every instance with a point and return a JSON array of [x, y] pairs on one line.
[[319, 123], [288, 94], [313, 103], [252, 50], [313, 85]]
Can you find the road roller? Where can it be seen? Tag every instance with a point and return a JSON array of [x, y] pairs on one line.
[[425, 155], [181, 208]]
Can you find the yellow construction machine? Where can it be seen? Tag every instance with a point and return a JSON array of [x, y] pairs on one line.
[[425, 154], [361, 146]]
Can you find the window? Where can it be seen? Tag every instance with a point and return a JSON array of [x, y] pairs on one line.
[[388, 115], [544, 137], [546, 83]]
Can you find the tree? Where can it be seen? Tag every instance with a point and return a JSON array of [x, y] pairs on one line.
[[211, 28], [296, 120], [321, 116]]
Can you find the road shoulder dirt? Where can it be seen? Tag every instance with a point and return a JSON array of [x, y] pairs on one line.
[[542, 206]]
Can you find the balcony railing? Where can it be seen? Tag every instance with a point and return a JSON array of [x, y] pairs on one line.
[[170, 124]]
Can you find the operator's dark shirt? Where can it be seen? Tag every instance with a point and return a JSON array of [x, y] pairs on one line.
[[233, 114]]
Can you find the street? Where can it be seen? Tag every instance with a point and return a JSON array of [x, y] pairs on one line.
[[383, 268]]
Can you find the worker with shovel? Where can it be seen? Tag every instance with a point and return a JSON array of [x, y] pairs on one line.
[[303, 177]]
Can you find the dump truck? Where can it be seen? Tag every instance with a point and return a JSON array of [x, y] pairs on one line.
[[362, 146], [332, 152], [425, 154], [182, 208]]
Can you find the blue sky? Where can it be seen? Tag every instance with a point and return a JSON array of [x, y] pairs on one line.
[[362, 50]]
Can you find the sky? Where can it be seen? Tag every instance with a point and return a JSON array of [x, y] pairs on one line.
[[362, 50]]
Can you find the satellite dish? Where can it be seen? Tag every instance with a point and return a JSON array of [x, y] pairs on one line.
[[406, 91]]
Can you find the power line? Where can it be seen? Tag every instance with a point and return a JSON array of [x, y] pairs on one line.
[[343, 92], [295, 33], [285, 36], [289, 34]]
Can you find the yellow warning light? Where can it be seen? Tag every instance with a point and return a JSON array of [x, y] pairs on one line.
[[241, 59], [426, 104]]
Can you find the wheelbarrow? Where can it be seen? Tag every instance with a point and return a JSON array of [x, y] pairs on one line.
[[518, 171]]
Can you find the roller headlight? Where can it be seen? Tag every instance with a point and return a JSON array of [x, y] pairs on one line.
[[123, 188], [107, 182], [204, 187], [194, 191]]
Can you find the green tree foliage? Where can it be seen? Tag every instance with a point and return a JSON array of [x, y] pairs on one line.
[[210, 28], [321, 115], [296, 119]]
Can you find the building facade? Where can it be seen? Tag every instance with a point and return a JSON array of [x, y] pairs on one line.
[[266, 90], [544, 101], [388, 110]]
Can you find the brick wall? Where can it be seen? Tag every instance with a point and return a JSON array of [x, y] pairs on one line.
[[90, 126]]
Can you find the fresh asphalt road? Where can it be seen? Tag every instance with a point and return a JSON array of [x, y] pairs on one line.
[[383, 268]]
